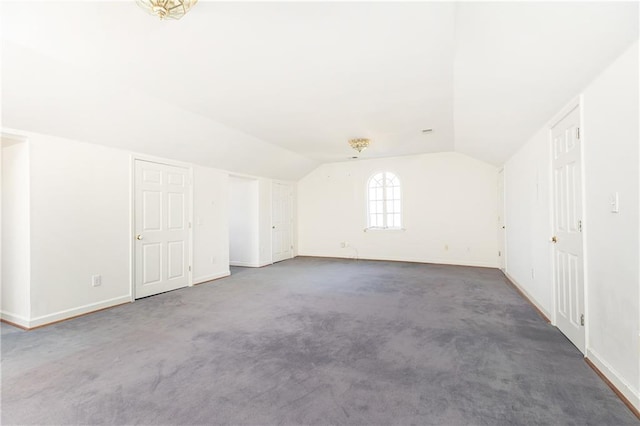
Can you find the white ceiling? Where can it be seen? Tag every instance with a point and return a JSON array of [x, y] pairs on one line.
[[277, 88]]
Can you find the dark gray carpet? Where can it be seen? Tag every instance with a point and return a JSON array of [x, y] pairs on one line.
[[310, 341]]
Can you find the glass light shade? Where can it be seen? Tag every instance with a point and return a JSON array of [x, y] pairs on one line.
[[359, 144], [167, 9]]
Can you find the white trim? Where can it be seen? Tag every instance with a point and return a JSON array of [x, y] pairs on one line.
[[633, 395], [566, 110], [408, 259], [80, 310], [15, 319], [247, 264], [528, 295], [160, 160], [14, 137], [206, 278]]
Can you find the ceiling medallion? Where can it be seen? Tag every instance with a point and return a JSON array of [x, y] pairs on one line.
[[167, 9], [359, 144]]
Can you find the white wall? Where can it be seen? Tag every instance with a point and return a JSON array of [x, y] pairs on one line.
[[79, 225], [211, 221], [244, 216], [88, 114], [528, 221], [449, 211], [611, 139], [612, 240], [15, 231], [78, 215]]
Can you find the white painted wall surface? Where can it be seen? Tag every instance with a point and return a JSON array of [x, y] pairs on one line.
[[211, 224], [449, 211], [80, 213], [79, 226], [15, 231], [99, 110], [243, 221], [528, 221], [611, 162], [611, 138]]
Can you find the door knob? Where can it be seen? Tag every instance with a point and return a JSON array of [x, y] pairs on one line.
[[138, 237], [554, 239], [273, 227]]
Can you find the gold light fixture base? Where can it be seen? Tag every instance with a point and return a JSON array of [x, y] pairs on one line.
[[359, 144], [167, 9]]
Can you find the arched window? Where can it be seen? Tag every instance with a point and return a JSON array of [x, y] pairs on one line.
[[384, 201]]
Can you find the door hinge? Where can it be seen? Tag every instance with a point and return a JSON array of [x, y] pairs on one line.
[[189, 268], [579, 226], [189, 225], [582, 319], [577, 132], [499, 253]]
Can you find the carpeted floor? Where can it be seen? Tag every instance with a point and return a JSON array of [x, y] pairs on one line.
[[310, 341]]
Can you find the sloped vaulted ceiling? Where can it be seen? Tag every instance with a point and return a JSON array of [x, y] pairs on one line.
[[274, 89]]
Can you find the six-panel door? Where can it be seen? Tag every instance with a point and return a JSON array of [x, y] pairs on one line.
[[161, 228]]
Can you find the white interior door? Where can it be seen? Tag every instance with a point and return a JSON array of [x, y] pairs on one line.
[[501, 225], [282, 222], [161, 216], [567, 223]]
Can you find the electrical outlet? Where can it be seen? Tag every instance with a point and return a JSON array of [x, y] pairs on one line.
[[213, 259], [96, 280]]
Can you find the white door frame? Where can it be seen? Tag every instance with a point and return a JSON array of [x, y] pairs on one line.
[[132, 216], [570, 107]]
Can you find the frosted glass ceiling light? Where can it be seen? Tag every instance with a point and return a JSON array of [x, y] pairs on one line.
[[167, 9], [359, 144]]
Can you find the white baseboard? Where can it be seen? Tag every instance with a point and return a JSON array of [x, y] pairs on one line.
[[633, 395], [12, 318], [206, 278], [245, 264], [80, 310], [351, 255], [529, 296]]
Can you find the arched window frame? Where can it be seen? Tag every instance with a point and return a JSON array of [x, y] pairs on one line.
[[390, 189]]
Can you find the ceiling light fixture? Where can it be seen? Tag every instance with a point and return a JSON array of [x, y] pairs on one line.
[[359, 144], [167, 9]]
